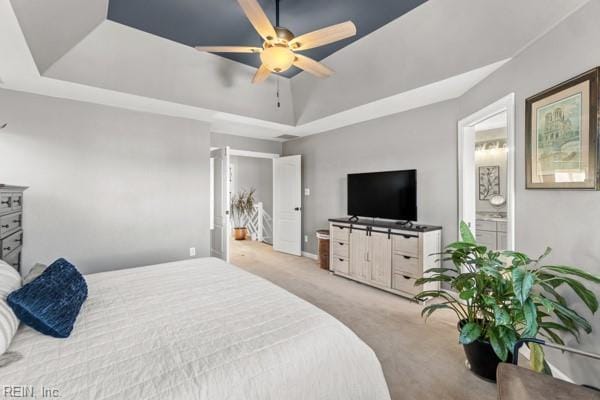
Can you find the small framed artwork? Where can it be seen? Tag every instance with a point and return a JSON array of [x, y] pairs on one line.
[[561, 135], [489, 182]]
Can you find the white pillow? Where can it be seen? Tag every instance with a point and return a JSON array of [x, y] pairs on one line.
[[10, 280]]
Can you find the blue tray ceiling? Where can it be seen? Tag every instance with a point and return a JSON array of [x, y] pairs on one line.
[[223, 23]]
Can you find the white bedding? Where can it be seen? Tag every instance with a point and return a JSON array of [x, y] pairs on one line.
[[196, 329]]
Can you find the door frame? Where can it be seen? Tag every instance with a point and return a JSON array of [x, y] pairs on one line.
[[466, 140]]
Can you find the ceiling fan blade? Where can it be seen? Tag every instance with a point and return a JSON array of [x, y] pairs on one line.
[[229, 49], [261, 74], [312, 66], [324, 36], [258, 19]]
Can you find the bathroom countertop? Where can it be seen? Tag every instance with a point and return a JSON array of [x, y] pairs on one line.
[[490, 217]]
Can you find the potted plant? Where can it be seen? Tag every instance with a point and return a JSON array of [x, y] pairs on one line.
[[242, 205], [501, 296]]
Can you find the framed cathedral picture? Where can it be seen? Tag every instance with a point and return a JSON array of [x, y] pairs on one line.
[[561, 135]]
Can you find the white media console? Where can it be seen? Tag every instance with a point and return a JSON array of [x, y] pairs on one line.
[[384, 254]]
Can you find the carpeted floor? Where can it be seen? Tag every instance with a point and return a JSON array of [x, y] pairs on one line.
[[420, 360]]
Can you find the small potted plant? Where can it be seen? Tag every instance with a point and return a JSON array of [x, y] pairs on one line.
[[242, 205], [501, 296]]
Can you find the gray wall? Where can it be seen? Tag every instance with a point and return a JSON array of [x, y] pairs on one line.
[[109, 188], [257, 173], [567, 221], [424, 139], [245, 143]]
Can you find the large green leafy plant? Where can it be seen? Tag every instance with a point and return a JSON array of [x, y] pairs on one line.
[[501, 296]]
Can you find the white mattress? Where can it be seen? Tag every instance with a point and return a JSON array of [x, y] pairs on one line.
[[197, 329]]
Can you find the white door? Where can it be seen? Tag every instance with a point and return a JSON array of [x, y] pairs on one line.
[[287, 205], [219, 235]]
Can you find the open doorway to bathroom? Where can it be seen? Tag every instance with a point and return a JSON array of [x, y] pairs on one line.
[[487, 174]]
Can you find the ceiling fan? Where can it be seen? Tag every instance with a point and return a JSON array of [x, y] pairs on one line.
[[278, 52]]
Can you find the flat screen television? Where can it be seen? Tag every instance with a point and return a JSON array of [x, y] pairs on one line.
[[388, 195]]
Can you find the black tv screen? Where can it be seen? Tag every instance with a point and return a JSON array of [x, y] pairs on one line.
[[388, 195]]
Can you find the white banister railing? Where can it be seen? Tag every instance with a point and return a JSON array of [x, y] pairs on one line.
[[259, 224]]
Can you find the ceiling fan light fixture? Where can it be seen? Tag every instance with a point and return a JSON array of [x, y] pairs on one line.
[[277, 58], [279, 46]]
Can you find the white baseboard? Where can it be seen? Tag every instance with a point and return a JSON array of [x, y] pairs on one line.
[[310, 255], [557, 373]]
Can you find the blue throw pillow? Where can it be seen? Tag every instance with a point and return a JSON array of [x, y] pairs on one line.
[[51, 302]]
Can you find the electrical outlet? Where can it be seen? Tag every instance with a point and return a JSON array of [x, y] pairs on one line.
[[307, 191], [192, 252], [305, 238]]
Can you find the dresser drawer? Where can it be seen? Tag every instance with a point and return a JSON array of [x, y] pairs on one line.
[[11, 243], [17, 201], [339, 249], [406, 265], [14, 259], [340, 264], [5, 202], [339, 234], [481, 225], [405, 244], [405, 284], [488, 239], [501, 226], [10, 223]]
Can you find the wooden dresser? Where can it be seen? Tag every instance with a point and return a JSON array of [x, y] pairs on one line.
[[11, 224], [383, 254]]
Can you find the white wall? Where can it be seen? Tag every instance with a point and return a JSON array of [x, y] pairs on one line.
[[109, 188]]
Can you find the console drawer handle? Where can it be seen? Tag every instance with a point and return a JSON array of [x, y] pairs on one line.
[[4, 226], [341, 259], [7, 202], [7, 248], [406, 257], [406, 277], [341, 244]]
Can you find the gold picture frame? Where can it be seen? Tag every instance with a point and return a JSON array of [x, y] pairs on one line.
[[561, 135]]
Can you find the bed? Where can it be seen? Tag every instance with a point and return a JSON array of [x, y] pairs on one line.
[[196, 329]]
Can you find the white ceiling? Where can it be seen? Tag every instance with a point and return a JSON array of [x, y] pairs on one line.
[[438, 51]]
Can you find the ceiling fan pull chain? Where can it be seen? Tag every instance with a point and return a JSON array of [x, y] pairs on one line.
[[278, 103]]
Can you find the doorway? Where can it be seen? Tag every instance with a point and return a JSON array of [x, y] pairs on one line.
[[486, 173], [275, 218]]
